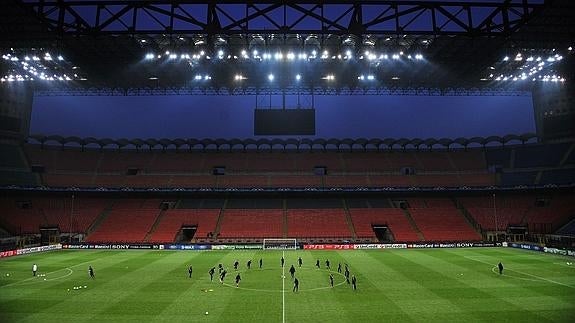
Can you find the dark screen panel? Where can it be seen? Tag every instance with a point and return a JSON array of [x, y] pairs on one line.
[[284, 122]]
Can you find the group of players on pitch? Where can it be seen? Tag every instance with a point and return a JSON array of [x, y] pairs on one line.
[[222, 272]]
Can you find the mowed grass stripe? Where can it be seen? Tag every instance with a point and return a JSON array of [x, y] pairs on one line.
[[360, 305], [407, 285], [84, 303], [393, 285], [441, 279]]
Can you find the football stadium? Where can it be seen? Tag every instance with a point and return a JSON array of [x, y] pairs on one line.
[[283, 161]]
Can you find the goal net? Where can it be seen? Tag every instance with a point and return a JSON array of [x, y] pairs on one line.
[[280, 244]]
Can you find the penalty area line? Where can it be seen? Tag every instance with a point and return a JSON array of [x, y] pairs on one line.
[[524, 273]]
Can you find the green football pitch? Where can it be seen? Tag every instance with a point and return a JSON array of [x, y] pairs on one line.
[[432, 285]]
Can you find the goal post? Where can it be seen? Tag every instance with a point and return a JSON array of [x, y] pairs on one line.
[[280, 244]]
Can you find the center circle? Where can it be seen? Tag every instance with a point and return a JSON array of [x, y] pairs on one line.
[[230, 279]]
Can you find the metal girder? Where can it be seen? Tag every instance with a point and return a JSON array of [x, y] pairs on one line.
[[231, 17], [423, 91]]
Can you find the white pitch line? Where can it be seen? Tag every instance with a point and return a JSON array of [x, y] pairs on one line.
[[526, 274], [283, 291], [55, 271]]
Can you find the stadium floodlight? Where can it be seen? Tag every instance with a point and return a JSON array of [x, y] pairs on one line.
[[220, 52], [371, 77], [395, 56], [150, 56], [35, 58], [313, 53], [255, 53], [418, 56], [173, 56], [361, 78], [197, 77], [348, 53], [506, 58], [207, 77], [60, 58], [270, 77], [297, 77], [290, 56], [530, 59], [551, 59]]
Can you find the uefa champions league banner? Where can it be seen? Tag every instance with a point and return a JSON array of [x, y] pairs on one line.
[[38, 249], [380, 246], [237, 247], [187, 247], [328, 246]]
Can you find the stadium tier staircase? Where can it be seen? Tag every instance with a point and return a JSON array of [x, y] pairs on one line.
[[101, 217], [420, 235], [466, 215], [154, 226], [365, 218], [220, 219], [565, 159], [349, 220], [285, 227]]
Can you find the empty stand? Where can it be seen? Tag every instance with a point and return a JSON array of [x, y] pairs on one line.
[[317, 223], [252, 223], [364, 219], [125, 225], [443, 224], [172, 221]]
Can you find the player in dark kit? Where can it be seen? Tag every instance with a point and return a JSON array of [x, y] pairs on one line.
[[299, 261], [190, 270], [500, 266], [282, 261], [295, 285], [261, 263], [331, 279], [317, 263], [339, 268], [91, 272], [238, 279], [250, 264], [346, 274], [292, 271], [222, 276], [211, 272], [220, 269], [353, 282], [236, 264], [327, 264]]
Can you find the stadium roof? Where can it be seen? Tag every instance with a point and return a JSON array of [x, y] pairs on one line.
[[310, 44]]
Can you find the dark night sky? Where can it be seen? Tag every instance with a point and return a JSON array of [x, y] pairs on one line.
[[232, 116]]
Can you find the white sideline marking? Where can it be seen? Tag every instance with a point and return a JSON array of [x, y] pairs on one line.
[[524, 273], [283, 291]]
